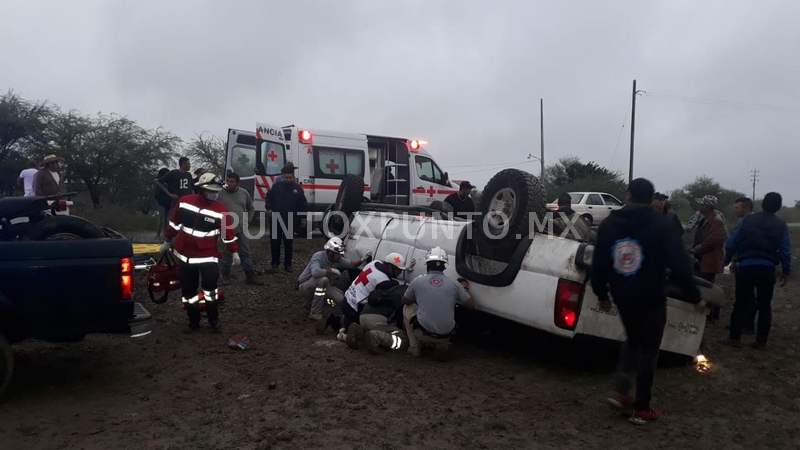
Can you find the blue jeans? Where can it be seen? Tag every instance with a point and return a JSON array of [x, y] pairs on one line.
[[244, 254]]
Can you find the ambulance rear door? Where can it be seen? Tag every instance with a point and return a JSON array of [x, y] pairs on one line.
[[240, 157], [270, 159]]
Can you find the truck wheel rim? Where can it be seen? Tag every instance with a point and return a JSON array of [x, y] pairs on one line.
[[501, 208]]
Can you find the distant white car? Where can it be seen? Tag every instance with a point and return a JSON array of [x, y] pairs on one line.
[[594, 207]]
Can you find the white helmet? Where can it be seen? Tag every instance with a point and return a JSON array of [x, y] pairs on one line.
[[335, 245], [395, 259], [209, 182], [436, 254]]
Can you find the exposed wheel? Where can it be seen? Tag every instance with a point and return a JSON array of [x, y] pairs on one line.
[[508, 200], [350, 195], [6, 364], [348, 201], [54, 228], [588, 219]]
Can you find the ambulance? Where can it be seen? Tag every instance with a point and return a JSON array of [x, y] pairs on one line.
[[396, 171]]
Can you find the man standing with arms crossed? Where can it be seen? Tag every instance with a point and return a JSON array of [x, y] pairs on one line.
[[239, 203], [635, 246]]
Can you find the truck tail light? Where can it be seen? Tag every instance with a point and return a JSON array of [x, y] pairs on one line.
[[305, 137], [126, 277], [568, 304]]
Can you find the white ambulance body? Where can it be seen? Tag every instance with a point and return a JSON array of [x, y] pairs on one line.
[[395, 171]]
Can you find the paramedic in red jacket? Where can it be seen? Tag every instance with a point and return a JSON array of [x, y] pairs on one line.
[[197, 223]]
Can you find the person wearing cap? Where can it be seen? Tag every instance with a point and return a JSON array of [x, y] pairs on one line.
[[196, 225], [47, 180], [569, 225], [759, 243], [635, 246], [323, 267], [661, 204], [375, 275], [285, 199], [461, 202], [430, 301]]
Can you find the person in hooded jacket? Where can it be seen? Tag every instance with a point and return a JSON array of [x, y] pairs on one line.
[[635, 246]]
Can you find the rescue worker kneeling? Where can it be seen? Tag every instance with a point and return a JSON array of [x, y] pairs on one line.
[[430, 301], [317, 277], [196, 224], [380, 323], [373, 275]]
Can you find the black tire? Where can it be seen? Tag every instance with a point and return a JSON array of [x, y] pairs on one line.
[[588, 219], [6, 364], [510, 196], [348, 201], [63, 228], [350, 195]]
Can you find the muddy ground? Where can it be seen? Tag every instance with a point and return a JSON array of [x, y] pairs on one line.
[[506, 388]]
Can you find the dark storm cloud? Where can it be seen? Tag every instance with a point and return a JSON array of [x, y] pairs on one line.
[[466, 76]]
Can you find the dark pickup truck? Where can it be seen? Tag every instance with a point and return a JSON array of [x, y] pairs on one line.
[[61, 290]]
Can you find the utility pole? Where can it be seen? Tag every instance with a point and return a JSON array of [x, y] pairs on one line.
[[754, 179], [541, 137], [634, 93]]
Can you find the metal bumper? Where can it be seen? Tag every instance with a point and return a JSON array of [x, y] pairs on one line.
[[142, 322]]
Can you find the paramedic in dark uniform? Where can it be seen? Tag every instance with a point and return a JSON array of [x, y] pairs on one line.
[[461, 202], [285, 200], [195, 227], [635, 246]]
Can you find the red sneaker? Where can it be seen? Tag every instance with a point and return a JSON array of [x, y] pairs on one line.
[[644, 416], [620, 401]]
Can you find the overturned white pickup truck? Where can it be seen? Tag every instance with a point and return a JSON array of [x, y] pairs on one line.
[[531, 277]]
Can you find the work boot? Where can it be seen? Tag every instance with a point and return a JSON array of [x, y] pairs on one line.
[[355, 334], [379, 341], [252, 280], [216, 327], [191, 328]]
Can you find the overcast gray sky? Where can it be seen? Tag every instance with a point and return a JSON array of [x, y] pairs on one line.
[[721, 77]]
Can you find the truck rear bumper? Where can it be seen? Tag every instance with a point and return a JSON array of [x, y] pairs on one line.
[[142, 322]]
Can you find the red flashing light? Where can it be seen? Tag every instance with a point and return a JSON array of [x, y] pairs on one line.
[[568, 304], [414, 145], [305, 137], [126, 277]]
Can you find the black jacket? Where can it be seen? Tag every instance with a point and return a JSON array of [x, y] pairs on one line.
[[286, 197], [760, 235], [465, 205], [386, 300], [635, 246]]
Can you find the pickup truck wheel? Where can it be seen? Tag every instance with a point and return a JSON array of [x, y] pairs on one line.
[[6, 364], [63, 228], [510, 196], [350, 195], [348, 201]]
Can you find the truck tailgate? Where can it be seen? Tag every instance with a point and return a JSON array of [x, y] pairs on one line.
[[72, 286], [683, 332]]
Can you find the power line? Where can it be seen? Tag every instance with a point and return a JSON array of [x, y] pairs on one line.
[[722, 102]]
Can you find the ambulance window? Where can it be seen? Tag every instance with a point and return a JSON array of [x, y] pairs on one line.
[[273, 157], [243, 161], [428, 170], [336, 163]]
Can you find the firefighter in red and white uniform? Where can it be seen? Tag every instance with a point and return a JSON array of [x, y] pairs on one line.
[[195, 226]]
